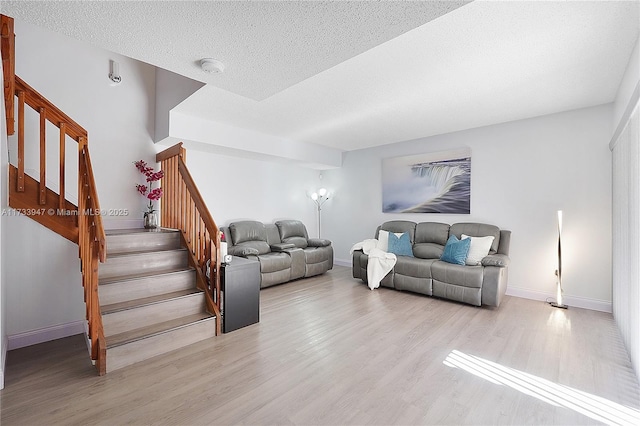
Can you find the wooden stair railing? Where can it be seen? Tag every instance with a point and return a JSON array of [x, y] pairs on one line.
[[81, 224], [183, 208]]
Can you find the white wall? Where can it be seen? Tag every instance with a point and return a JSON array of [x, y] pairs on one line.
[[247, 189], [522, 173], [43, 290], [171, 89]]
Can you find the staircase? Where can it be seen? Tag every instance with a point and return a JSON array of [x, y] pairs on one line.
[[149, 300], [150, 292]]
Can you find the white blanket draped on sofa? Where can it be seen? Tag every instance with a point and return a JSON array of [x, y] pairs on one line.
[[380, 262]]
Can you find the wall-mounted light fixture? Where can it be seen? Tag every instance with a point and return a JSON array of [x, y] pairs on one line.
[[114, 74], [320, 198], [559, 302]]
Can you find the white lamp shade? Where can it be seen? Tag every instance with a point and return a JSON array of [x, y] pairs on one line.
[[314, 196], [322, 192]]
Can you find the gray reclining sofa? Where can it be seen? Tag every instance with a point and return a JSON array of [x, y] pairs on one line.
[[426, 274], [284, 249]]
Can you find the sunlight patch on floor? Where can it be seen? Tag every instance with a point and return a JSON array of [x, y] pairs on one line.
[[593, 406]]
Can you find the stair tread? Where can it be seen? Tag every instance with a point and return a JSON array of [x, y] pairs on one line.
[[155, 329], [133, 231], [117, 254], [111, 280], [135, 303]]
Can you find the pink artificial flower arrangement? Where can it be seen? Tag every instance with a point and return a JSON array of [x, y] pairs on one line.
[[151, 176]]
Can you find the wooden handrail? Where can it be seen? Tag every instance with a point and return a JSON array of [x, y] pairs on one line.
[[176, 150], [7, 46], [183, 208], [53, 114], [91, 235], [94, 205]]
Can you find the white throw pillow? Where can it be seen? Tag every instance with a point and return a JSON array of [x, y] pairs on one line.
[[383, 239], [480, 247]]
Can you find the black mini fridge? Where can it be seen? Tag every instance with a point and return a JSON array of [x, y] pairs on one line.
[[240, 285]]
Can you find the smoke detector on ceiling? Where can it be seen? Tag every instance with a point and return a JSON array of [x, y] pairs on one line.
[[212, 66]]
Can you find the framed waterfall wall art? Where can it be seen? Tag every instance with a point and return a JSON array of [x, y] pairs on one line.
[[438, 182]]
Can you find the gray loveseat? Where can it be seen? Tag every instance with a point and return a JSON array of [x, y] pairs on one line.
[[425, 273], [284, 249]]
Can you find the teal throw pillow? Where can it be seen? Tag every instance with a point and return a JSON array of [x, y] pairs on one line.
[[456, 251], [400, 246]]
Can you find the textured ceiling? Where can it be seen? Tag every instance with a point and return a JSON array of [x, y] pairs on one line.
[[352, 75], [265, 46]]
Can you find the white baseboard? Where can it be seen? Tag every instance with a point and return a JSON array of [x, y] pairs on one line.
[[46, 334], [575, 301], [342, 262]]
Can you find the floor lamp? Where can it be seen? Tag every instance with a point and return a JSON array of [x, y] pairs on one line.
[[320, 198], [558, 303]]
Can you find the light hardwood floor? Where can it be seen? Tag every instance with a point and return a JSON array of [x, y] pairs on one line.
[[330, 351]]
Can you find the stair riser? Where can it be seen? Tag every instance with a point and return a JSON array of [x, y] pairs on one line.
[[130, 319], [130, 353], [122, 291], [143, 241], [136, 263]]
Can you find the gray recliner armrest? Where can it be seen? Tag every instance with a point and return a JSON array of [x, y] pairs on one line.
[[242, 251], [499, 260], [318, 242], [282, 246]]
